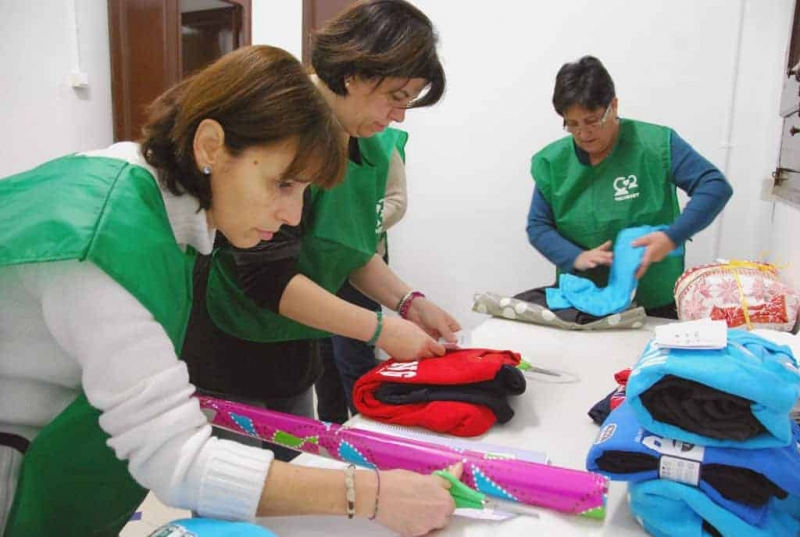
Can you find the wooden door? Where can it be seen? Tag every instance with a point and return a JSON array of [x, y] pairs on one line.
[[315, 14], [155, 43]]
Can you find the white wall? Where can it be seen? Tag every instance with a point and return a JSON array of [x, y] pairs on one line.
[[279, 23], [43, 116], [673, 62]]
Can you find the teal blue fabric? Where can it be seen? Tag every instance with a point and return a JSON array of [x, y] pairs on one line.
[[583, 294], [207, 527], [622, 433], [750, 367], [669, 509]]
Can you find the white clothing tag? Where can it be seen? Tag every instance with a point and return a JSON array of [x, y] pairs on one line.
[[680, 470], [700, 334], [679, 461]]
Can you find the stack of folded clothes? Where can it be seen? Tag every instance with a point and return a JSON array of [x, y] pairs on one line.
[[705, 440], [462, 393]]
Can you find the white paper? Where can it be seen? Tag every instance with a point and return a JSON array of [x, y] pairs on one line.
[[699, 334]]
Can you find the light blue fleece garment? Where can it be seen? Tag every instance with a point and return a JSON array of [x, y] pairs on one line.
[[581, 293], [207, 527], [669, 509], [621, 432], [750, 367]]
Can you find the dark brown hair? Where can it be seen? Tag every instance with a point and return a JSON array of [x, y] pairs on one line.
[[259, 95], [584, 83], [375, 40]]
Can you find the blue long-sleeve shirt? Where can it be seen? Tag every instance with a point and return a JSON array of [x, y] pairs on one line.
[[707, 188]]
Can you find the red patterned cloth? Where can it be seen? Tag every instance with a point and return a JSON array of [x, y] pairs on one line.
[[737, 290], [457, 367]]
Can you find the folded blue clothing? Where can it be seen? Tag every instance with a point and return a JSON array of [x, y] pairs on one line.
[[668, 509], [750, 367], [207, 527], [740, 480], [581, 293]]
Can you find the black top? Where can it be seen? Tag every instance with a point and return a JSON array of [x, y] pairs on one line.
[[223, 363]]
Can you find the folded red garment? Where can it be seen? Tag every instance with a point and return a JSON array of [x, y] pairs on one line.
[[457, 367], [619, 394]]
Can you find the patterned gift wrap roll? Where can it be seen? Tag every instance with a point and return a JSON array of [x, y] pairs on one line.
[[742, 293], [562, 489]]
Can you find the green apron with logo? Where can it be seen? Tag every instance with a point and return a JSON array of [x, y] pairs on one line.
[[631, 187], [110, 213], [343, 235]]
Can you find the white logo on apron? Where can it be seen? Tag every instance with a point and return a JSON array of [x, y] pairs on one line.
[[379, 209], [626, 188]]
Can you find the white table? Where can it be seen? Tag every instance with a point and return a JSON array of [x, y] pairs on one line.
[[549, 417]]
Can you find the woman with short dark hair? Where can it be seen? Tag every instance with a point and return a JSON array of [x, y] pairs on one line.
[[372, 62], [614, 173]]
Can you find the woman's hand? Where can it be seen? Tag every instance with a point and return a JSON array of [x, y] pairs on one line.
[[657, 245], [433, 319], [413, 504], [405, 341], [590, 259]]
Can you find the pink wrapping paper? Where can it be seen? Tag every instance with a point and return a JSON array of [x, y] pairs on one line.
[[562, 489]]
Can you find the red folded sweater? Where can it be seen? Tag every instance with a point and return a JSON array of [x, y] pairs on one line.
[[464, 366]]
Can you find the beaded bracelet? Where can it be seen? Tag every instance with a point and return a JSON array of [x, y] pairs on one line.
[[405, 303], [377, 495], [378, 329], [350, 485], [402, 301]]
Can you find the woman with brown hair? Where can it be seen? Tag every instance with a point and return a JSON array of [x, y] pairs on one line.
[[96, 258], [372, 62]]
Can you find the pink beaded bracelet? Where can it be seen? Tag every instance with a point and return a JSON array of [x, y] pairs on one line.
[[405, 302]]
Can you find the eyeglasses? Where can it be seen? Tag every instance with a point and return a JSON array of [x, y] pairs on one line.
[[589, 124]]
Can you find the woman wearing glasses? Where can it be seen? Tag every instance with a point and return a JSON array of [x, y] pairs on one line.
[[611, 174]]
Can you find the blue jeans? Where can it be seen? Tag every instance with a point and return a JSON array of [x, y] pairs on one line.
[[344, 361]]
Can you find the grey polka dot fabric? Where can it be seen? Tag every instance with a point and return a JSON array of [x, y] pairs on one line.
[[527, 312]]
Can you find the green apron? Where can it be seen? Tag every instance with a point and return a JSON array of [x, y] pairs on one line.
[[631, 187], [110, 213], [343, 236]]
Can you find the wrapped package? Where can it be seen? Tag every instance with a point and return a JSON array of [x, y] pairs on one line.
[[746, 294]]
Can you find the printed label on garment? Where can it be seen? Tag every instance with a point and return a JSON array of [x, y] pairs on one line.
[[680, 470], [680, 461], [626, 188], [674, 448], [173, 530], [606, 433], [403, 370]]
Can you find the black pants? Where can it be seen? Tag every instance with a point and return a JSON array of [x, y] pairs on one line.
[[670, 311]]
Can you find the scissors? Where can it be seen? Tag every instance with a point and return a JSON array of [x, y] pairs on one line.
[[468, 498], [529, 371]]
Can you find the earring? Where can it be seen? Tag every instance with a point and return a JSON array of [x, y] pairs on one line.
[[206, 170]]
